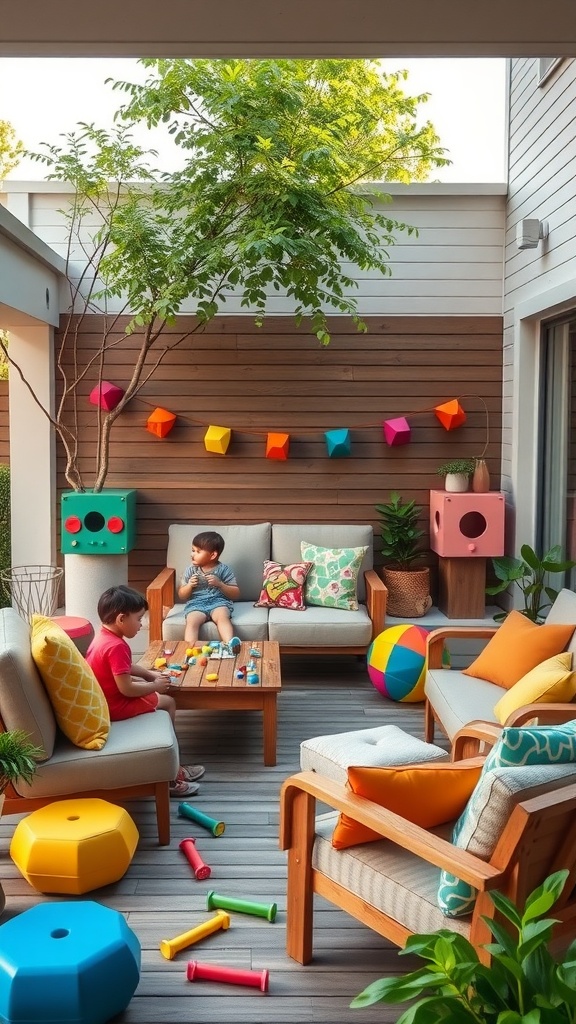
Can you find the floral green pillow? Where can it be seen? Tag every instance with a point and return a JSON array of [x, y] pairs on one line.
[[332, 580]]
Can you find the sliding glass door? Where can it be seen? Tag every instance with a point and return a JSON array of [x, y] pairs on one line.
[[557, 461]]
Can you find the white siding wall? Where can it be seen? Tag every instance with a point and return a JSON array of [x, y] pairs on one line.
[[540, 282], [453, 267]]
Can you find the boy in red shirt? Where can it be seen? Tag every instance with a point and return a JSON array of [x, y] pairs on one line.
[[129, 688]]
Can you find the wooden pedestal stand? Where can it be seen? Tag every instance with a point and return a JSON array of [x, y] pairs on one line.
[[462, 587]]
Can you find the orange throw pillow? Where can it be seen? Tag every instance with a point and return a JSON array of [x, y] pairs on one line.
[[516, 648], [426, 794]]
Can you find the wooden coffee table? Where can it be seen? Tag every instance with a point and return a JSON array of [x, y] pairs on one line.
[[227, 692]]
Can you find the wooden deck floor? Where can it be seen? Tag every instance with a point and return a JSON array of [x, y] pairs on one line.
[[161, 898]]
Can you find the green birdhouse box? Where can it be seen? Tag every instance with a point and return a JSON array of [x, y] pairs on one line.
[[98, 524]]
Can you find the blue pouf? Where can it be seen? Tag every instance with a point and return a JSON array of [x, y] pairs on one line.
[[71, 962]]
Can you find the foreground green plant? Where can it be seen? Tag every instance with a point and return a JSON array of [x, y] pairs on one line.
[[529, 573], [18, 757], [523, 985]]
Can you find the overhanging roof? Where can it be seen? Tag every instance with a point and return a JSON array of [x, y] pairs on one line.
[[254, 28]]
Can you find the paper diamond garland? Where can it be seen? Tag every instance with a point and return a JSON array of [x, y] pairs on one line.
[[160, 422], [217, 439], [106, 395], [396, 431], [338, 443], [277, 446], [451, 414]]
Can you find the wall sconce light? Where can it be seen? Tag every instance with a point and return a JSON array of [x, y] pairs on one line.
[[529, 232]]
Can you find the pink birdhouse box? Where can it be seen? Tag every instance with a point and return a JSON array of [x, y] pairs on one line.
[[467, 525], [106, 395]]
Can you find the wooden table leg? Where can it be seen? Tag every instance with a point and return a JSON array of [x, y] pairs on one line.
[[269, 720]]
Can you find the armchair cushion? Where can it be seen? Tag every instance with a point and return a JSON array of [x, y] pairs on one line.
[[516, 648], [76, 696], [553, 681], [480, 826], [427, 794], [138, 750], [23, 698]]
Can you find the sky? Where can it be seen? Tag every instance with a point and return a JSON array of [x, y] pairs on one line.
[[45, 97]]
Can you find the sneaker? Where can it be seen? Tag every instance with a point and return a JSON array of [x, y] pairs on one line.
[[181, 788], [190, 772], [234, 644]]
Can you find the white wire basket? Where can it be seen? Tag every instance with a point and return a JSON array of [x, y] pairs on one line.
[[34, 589]]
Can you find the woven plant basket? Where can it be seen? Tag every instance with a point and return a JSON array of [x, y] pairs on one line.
[[408, 592]]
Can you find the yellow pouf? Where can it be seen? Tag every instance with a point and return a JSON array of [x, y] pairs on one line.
[[73, 846]]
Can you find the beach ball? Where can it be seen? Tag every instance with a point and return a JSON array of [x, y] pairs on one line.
[[397, 662]]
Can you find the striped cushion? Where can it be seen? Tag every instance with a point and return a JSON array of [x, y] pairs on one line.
[[385, 876]]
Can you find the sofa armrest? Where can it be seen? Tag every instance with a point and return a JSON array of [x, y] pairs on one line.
[[160, 595], [376, 600], [545, 714], [435, 639], [466, 742], [297, 810]]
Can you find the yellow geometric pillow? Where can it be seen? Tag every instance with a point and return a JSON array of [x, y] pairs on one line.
[[75, 694], [551, 682]]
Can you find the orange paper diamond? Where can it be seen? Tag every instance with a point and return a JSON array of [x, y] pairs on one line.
[[160, 422], [277, 446], [451, 414]]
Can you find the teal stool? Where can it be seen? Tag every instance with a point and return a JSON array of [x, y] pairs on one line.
[[71, 962]]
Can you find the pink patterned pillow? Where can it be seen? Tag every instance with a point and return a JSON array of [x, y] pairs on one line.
[[283, 586]]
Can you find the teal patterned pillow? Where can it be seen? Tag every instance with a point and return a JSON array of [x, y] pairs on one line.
[[331, 582], [523, 757], [541, 744]]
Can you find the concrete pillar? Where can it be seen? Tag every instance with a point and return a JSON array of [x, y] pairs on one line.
[[32, 447]]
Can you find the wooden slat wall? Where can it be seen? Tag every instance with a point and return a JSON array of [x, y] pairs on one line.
[[280, 379]]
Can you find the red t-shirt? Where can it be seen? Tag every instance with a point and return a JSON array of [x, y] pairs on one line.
[[109, 655]]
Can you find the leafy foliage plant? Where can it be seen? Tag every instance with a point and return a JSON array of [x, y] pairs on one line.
[[465, 466], [529, 573], [524, 983], [400, 532], [18, 758]]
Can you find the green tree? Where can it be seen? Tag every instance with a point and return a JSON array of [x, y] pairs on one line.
[[11, 149], [273, 196]]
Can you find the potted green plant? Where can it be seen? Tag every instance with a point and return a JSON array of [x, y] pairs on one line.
[[18, 758], [529, 573], [408, 585], [457, 474], [523, 985]]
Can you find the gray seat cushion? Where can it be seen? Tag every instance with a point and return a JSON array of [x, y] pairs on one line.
[[24, 703], [458, 699], [320, 627], [248, 622], [137, 751]]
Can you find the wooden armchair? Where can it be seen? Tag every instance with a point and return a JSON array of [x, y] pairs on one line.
[[540, 837], [453, 700]]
